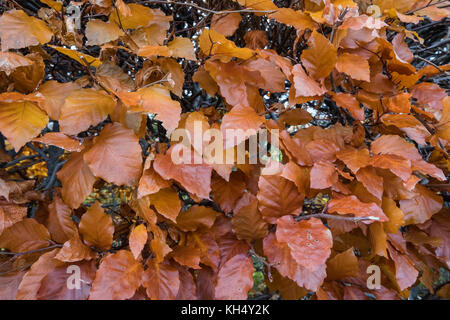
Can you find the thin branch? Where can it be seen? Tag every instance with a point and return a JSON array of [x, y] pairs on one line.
[[430, 63], [193, 5], [263, 261], [17, 254]]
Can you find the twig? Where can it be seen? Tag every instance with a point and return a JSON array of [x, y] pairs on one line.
[[431, 64], [206, 9], [268, 265], [17, 254]]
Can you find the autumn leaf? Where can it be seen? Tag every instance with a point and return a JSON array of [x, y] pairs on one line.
[[309, 240], [167, 203], [247, 221], [355, 66], [137, 240], [351, 204], [117, 278], [60, 140], [99, 32], [59, 222], [226, 24], [21, 121], [84, 108], [77, 180], [320, 59], [18, 30], [115, 145], [82, 58], [235, 278], [96, 227], [162, 281]]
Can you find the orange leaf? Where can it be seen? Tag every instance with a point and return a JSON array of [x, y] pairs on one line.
[[114, 147], [99, 32], [342, 265], [162, 281], [82, 58], [21, 121], [309, 240], [195, 178], [235, 278], [84, 108], [75, 250], [304, 85], [55, 94], [77, 180], [25, 235], [32, 280], [247, 221], [226, 193], [137, 240], [351, 204], [155, 99], [18, 30], [196, 217], [59, 221], [279, 255], [353, 65], [226, 24], [422, 206], [297, 19], [278, 197], [97, 228], [117, 278], [60, 140], [10, 61], [167, 203], [320, 59]]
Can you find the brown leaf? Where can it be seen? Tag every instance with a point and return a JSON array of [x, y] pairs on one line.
[[278, 197], [196, 217], [351, 204], [342, 265], [309, 241], [162, 281], [59, 221], [60, 140], [18, 30], [84, 108], [137, 240], [77, 180], [235, 278], [25, 235], [320, 59], [117, 278], [226, 24], [247, 221], [115, 146], [99, 32], [167, 203], [97, 228]]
